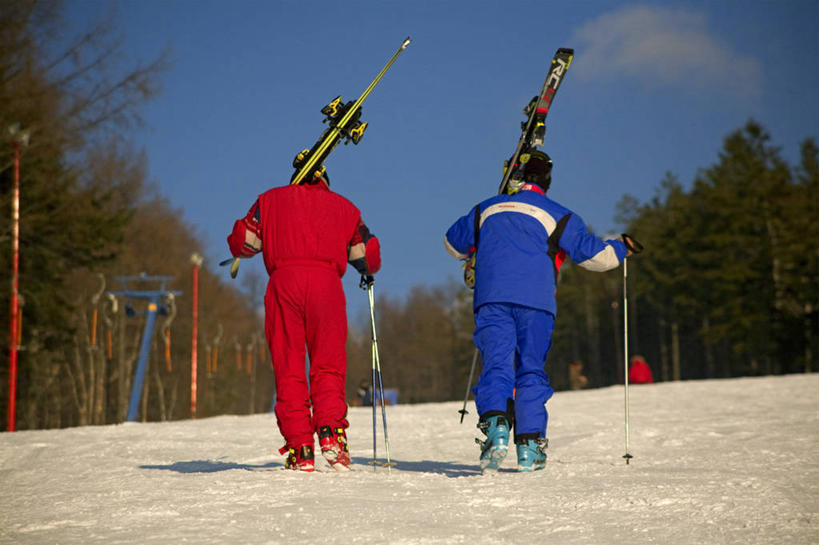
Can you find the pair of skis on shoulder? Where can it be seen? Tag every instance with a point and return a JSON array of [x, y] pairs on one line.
[[344, 123], [533, 130]]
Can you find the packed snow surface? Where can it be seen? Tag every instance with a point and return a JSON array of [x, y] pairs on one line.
[[715, 462]]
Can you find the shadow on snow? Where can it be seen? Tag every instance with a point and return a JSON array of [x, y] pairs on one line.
[[447, 469], [211, 466]]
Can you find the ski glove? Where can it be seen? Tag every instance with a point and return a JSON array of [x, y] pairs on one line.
[[246, 238]]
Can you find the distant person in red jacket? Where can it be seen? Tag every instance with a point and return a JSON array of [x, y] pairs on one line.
[[639, 372], [307, 234]]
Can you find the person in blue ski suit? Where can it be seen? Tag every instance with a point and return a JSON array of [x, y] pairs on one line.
[[519, 242]]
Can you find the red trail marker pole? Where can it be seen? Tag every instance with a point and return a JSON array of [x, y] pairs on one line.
[[19, 139], [196, 259]]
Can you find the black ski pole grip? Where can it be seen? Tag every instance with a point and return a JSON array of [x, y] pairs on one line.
[[366, 281], [633, 246]]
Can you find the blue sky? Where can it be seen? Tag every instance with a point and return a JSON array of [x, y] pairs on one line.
[[654, 87]]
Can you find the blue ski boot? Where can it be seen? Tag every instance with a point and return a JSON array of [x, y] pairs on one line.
[[493, 450], [531, 453]]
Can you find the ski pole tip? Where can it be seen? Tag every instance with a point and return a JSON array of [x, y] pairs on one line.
[[628, 457]]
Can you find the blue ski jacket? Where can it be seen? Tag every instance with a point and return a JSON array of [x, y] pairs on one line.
[[522, 240]]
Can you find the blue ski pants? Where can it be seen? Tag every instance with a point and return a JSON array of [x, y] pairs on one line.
[[513, 341]]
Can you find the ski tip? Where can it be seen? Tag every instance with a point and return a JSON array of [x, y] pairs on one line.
[[406, 43]]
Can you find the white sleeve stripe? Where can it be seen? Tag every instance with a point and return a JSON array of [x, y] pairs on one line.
[[357, 251], [604, 260], [252, 241], [452, 251], [539, 214]]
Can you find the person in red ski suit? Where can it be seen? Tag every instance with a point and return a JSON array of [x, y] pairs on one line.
[[307, 234], [639, 372]]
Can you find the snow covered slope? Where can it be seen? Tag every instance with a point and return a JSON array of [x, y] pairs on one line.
[[715, 462]]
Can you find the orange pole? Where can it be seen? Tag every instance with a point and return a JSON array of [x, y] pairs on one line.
[[168, 349], [197, 261], [94, 328]]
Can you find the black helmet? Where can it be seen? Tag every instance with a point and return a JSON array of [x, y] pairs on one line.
[[537, 168]]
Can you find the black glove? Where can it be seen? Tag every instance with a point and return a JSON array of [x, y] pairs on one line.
[[633, 246]]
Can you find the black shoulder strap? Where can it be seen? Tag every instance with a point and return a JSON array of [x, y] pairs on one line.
[[554, 238], [554, 243], [477, 224]]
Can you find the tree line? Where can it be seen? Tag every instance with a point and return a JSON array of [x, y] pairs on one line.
[[88, 216], [731, 286], [728, 286]]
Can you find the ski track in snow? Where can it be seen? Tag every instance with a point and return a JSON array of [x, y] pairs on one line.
[[715, 462]]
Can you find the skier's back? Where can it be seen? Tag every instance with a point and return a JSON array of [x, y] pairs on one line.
[[307, 235]]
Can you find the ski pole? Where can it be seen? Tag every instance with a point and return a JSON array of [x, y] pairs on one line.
[[365, 285], [371, 294], [627, 456], [635, 248], [463, 411], [369, 282], [372, 394]]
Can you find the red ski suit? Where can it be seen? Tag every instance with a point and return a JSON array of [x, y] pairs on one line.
[[307, 235]]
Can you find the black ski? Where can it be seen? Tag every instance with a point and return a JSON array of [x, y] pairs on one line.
[[534, 128]]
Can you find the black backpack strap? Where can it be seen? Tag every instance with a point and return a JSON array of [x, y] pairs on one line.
[[554, 240], [477, 224]]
